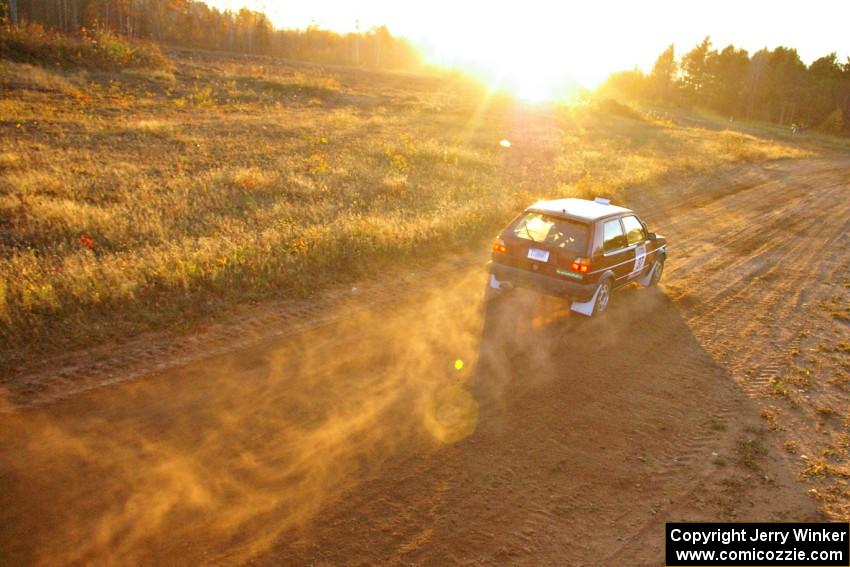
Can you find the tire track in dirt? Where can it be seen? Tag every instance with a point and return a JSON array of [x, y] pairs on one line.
[[758, 298], [717, 308], [755, 301]]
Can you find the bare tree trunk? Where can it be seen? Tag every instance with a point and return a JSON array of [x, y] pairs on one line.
[[357, 43], [156, 25], [13, 11], [60, 16], [356, 50]]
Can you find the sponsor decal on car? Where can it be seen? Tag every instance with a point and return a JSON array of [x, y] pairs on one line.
[[640, 257], [569, 274]]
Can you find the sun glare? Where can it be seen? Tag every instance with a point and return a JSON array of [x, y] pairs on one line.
[[513, 50], [532, 83], [542, 50], [517, 70]]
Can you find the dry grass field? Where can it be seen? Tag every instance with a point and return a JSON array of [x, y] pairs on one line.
[[146, 198]]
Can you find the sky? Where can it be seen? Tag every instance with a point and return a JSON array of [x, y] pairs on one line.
[[544, 42]]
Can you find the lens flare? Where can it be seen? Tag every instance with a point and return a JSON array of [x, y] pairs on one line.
[[452, 415]]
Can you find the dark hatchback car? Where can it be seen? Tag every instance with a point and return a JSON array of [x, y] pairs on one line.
[[577, 249]]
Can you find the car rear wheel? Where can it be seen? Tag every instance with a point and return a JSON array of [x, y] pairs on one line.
[[657, 271], [603, 297]]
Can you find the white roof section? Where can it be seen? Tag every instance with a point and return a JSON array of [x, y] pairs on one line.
[[577, 208]]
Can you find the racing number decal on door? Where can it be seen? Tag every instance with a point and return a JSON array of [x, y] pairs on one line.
[[640, 257]]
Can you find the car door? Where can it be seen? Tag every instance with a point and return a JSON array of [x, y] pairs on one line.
[[637, 239], [619, 256]]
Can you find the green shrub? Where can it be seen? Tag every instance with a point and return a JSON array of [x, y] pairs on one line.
[[93, 49]]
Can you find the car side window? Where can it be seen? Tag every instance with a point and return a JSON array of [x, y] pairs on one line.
[[634, 230], [612, 236]]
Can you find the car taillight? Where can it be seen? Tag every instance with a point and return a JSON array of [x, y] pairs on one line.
[[499, 246], [580, 265]]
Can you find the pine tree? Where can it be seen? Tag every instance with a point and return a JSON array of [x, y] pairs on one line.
[[695, 69], [664, 73]]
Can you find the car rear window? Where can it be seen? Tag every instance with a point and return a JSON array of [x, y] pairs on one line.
[[560, 233]]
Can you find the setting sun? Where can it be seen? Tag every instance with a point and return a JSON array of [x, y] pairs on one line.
[[517, 71]]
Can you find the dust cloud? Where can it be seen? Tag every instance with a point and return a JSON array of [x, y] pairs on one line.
[[218, 460]]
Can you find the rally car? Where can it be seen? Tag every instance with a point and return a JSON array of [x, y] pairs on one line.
[[577, 249]]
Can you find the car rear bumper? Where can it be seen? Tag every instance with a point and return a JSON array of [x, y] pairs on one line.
[[516, 277]]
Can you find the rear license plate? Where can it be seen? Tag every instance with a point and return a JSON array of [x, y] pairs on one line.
[[539, 255]]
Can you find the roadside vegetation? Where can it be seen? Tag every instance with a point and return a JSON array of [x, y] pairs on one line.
[[92, 49], [134, 197], [195, 24]]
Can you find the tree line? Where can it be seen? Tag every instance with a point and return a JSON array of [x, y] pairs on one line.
[[769, 85], [192, 23]]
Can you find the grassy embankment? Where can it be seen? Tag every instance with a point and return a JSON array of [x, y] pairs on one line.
[[143, 191]]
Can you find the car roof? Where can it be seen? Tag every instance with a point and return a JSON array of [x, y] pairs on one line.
[[577, 209]]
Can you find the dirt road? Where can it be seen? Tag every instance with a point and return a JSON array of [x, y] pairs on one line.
[[408, 424]]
